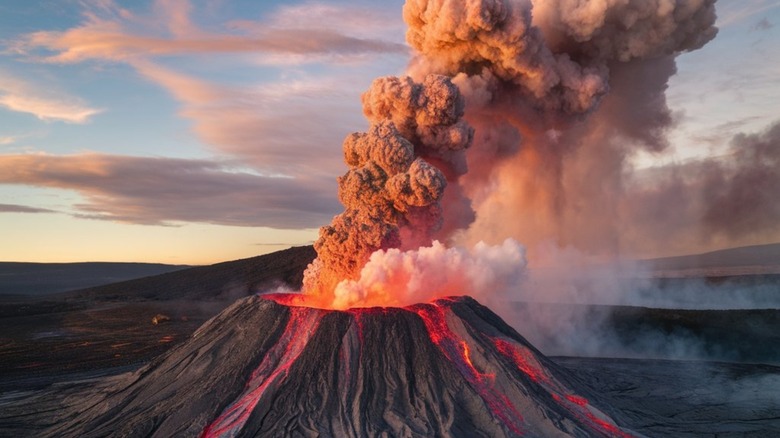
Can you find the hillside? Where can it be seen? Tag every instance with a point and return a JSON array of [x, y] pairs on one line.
[[221, 281], [756, 259], [112, 326], [36, 279]]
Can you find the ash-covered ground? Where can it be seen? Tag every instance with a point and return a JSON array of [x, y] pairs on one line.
[[56, 350]]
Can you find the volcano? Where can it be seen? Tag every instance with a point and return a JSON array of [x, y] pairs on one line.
[[270, 366]]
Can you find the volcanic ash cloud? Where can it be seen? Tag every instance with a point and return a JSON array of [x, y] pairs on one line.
[[561, 94], [392, 192]]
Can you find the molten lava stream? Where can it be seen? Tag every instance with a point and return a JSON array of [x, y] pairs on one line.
[[577, 405], [274, 368], [521, 361], [457, 351]]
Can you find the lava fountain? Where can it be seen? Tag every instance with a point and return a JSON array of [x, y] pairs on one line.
[[268, 366]]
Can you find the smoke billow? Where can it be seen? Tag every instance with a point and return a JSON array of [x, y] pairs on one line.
[[400, 278], [561, 94], [392, 193]]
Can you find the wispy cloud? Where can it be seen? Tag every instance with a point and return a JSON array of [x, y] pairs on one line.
[[293, 128], [121, 37], [762, 24], [722, 133], [167, 191], [288, 132], [738, 11], [26, 97], [14, 208], [4, 140]]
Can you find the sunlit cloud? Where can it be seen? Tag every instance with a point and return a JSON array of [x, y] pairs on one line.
[[26, 97], [294, 128], [119, 36], [351, 20], [288, 128], [168, 191]]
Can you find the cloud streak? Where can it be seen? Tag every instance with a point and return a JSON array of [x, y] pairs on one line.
[[288, 133], [114, 34], [14, 208], [169, 191], [276, 128], [25, 97], [730, 13]]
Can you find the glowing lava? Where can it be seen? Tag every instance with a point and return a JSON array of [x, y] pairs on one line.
[[504, 375], [270, 366], [274, 367]]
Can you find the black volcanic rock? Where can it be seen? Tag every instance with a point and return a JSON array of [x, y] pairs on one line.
[[266, 368]]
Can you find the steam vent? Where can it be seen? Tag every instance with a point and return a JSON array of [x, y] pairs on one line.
[[265, 367]]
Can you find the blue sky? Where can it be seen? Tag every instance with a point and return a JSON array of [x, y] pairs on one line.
[[199, 131]]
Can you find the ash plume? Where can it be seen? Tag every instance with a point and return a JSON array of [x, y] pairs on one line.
[[561, 94], [392, 193]]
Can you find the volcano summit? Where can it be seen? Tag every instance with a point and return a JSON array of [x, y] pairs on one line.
[[267, 366]]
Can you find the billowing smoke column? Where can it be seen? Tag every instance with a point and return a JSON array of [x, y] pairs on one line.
[[392, 192], [560, 93]]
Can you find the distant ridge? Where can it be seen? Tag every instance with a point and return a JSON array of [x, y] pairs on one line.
[[227, 280], [37, 279], [741, 260]]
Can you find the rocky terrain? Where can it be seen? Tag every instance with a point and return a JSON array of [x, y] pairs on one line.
[[262, 367], [64, 354]]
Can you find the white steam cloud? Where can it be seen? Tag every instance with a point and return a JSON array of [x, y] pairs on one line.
[[400, 278]]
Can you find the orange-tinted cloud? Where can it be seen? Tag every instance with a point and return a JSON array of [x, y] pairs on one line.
[[115, 34], [23, 96], [294, 128], [165, 191], [276, 128]]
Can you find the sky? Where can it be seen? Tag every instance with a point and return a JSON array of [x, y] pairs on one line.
[[194, 132]]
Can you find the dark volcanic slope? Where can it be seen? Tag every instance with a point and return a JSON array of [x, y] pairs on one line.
[[223, 280], [260, 368], [111, 326]]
